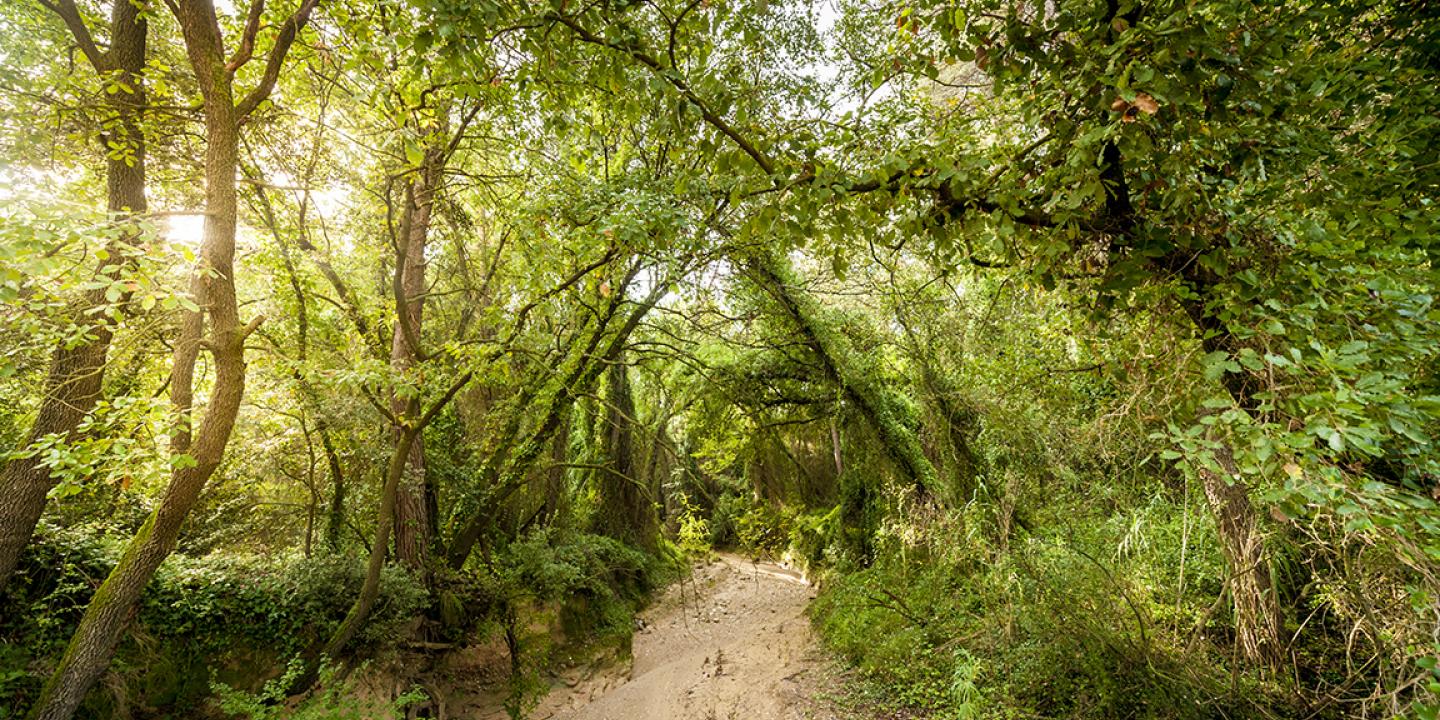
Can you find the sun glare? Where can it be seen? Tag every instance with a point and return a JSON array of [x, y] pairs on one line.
[[185, 229]]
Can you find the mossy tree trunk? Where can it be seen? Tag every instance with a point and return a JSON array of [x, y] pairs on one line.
[[876, 403], [385, 520], [1259, 620], [556, 502], [335, 515], [73, 383], [627, 509], [502, 475]]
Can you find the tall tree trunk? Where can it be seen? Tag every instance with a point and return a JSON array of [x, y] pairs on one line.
[[100, 630], [73, 383], [627, 510], [414, 503], [384, 522], [556, 504], [656, 465], [335, 517], [1257, 610]]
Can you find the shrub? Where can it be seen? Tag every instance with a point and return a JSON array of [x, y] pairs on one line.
[[226, 611], [1045, 629], [599, 582], [334, 699], [763, 528], [694, 536]]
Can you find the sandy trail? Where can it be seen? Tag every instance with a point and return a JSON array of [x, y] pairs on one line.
[[734, 643]]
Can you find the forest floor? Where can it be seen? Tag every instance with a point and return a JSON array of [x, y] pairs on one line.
[[731, 641]]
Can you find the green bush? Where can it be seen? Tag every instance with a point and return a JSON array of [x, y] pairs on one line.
[[197, 613], [725, 519], [693, 535], [333, 699], [1045, 629], [597, 581], [764, 528], [284, 606]]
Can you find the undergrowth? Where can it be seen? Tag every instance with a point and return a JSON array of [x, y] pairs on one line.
[[1043, 630]]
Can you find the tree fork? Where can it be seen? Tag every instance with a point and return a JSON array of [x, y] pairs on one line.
[[384, 523], [414, 521]]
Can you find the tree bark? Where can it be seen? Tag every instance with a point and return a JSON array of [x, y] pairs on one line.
[[506, 474], [1258, 618], [865, 393], [74, 379], [1257, 611], [384, 522], [414, 516]]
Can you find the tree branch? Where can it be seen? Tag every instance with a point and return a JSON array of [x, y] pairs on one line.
[[672, 76], [71, 16], [247, 41], [283, 41]]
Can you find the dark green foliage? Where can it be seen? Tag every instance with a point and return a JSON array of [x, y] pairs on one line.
[[555, 564], [971, 323], [336, 699], [725, 516], [742, 522], [860, 513], [239, 615]]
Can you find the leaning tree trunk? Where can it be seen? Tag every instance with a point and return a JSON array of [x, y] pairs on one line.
[[505, 475], [370, 588], [384, 522], [866, 392], [72, 386], [103, 624]]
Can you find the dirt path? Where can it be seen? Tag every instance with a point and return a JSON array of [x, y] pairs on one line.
[[734, 643]]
